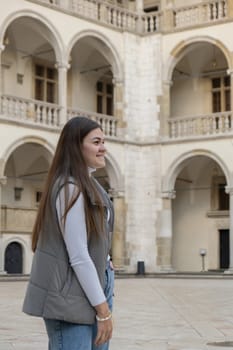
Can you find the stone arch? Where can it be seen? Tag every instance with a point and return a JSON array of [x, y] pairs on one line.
[[53, 34], [181, 49], [19, 142], [17, 239], [109, 50], [178, 164]]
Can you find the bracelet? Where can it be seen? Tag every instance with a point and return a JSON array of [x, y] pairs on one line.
[[100, 319]]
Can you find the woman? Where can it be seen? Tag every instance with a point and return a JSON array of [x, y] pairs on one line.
[[71, 281]]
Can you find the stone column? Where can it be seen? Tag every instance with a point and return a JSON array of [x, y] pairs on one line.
[[139, 5], [165, 108], [2, 183], [230, 72], [62, 90], [119, 105], [2, 48], [230, 191], [118, 244], [140, 11], [164, 240], [168, 15], [230, 9]]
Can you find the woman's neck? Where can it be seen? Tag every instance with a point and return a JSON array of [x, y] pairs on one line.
[[91, 170]]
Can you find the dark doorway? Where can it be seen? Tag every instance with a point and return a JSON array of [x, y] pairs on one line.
[[13, 258], [224, 241]]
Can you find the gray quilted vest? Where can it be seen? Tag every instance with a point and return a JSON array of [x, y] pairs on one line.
[[53, 290]]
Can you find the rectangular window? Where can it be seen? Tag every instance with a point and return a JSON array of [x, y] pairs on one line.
[[99, 104], [223, 197], [109, 106], [39, 89], [216, 101], [221, 94], [219, 197], [45, 83], [104, 98], [38, 196]]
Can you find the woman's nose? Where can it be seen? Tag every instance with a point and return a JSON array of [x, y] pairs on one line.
[[102, 147]]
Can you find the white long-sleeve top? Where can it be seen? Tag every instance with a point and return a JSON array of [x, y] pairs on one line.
[[75, 237]]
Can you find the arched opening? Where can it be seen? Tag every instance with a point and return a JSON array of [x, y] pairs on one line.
[[90, 78], [29, 72], [13, 263], [200, 216], [34, 57], [200, 93], [25, 171]]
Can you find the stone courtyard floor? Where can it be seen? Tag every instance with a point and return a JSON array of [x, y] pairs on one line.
[[149, 314]]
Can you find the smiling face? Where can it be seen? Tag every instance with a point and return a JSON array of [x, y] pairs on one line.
[[93, 149]]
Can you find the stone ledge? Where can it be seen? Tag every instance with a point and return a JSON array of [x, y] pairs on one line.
[[124, 275]]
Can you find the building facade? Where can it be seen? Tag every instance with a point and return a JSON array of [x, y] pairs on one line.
[[158, 77]]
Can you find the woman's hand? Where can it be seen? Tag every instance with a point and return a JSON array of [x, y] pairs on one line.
[[104, 323], [104, 331]]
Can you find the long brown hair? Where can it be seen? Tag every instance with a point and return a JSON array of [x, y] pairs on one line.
[[68, 162]]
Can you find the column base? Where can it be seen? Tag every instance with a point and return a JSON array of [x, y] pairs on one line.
[[229, 271]]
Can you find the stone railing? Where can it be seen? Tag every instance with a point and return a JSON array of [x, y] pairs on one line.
[[17, 219], [31, 111], [115, 16], [120, 18], [108, 123], [204, 12], [152, 22], [204, 125], [175, 18], [45, 114]]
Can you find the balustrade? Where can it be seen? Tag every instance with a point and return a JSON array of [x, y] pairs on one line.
[[123, 19], [47, 114], [212, 124], [87, 8], [23, 109], [151, 22], [200, 13], [108, 123]]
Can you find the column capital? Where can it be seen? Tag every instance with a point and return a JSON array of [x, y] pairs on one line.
[[229, 190], [169, 194], [2, 47], [168, 82], [62, 65], [230, 72], [3, 180], [117, 81]]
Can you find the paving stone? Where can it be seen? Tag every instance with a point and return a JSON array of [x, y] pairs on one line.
[[149, 314]]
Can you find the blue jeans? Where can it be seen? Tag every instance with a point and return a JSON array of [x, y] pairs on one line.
[[71, 336]]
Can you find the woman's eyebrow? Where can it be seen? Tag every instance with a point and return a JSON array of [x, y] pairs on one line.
[[97, 138]]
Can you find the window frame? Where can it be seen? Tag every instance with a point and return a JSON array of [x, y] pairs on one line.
[[46, 81]]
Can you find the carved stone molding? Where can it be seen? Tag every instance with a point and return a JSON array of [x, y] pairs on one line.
[[169, 194], [3, 181]]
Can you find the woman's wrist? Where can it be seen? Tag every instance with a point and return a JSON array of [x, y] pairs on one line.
[[102, 310], [102, 319]]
